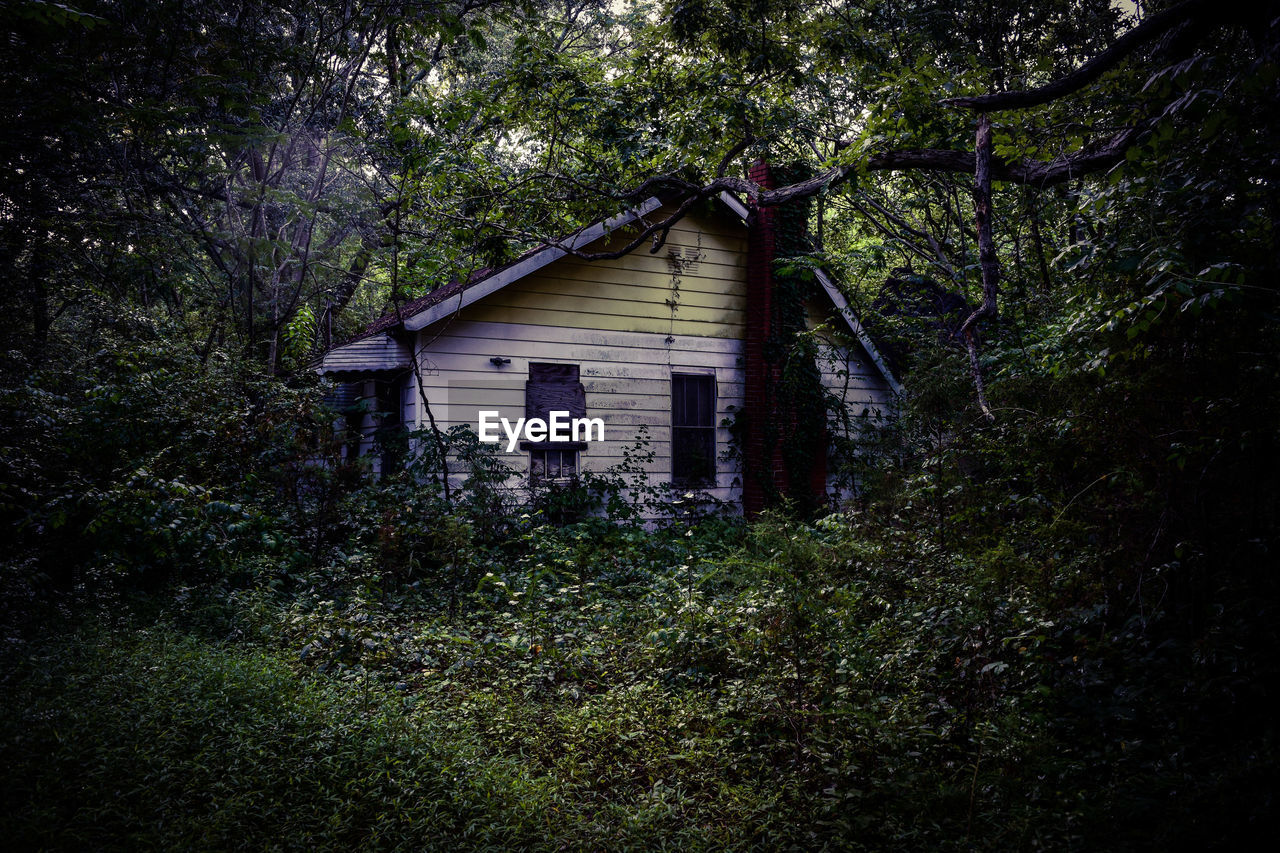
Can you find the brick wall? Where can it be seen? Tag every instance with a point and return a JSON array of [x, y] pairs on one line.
[[764, 471], [763, 466]]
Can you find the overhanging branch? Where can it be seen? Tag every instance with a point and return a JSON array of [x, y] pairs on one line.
[[1038, 173], [1091, 159], [685, 194], [1149, 30]]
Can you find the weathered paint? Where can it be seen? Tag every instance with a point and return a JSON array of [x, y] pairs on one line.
[[692, 286], [615, 319]]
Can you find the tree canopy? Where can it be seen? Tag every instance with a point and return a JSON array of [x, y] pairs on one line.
[[265, 172]]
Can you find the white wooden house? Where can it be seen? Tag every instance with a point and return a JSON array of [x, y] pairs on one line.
[[656, 339]]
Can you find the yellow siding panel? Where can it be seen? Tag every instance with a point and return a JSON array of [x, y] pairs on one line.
[[820, 312], [632, 293], [722, 231], [668, 253], [639, 297], [715, 278], [700, 322]]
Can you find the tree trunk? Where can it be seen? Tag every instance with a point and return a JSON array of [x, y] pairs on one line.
[[987, 261]]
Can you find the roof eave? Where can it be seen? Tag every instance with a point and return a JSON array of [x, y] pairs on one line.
[[549, 254]]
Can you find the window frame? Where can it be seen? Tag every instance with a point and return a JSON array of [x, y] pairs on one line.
[[544, 449], [684, 479], [545, 452]]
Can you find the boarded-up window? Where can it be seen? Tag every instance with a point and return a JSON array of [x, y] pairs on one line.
[[553, 388], [693, 429]]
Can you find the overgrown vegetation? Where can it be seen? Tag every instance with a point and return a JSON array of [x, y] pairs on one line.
[[597, 686], [1050, 629], [978, 656]]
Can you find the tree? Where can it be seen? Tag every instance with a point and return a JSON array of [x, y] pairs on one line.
[[234, 163], [769, 39]]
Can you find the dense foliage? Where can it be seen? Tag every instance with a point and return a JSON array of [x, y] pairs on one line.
[[1051, 628]]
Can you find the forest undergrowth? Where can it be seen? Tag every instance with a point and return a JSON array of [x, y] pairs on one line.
[[978, 653]]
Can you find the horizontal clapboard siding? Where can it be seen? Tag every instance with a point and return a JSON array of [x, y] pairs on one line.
[[694, 285], [705, 276], [846, 370], [470, 338], [709, 234], [627, 378], [377, 352], [648, 294], [626, 386], [629, 324]]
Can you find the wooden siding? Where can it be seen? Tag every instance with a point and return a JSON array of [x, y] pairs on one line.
[[846, 368], [692, 286], [629, 324], [627, 377]]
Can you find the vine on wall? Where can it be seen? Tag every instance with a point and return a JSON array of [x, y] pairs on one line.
[[795, 427]]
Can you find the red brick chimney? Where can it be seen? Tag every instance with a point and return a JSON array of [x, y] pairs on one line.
[[760, 476], [765, 473]]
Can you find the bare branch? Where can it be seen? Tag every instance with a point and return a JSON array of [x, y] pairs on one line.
[[731, 153], [895, 235]]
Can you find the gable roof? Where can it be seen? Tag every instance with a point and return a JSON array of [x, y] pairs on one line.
[[445, 301]]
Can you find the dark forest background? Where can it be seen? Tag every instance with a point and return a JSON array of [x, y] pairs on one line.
[[1047, 620]]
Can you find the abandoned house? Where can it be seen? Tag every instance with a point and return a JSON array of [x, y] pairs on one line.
[[681, 342]]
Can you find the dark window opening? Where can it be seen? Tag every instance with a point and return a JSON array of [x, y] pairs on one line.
[[693, 429], [391, 435]]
